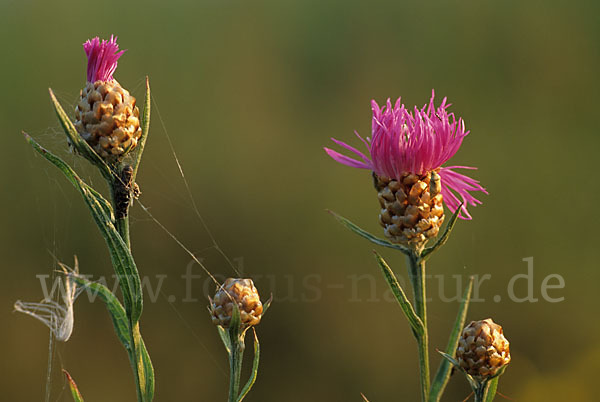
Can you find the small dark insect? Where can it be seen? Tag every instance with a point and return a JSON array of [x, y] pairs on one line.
[[125, 192]]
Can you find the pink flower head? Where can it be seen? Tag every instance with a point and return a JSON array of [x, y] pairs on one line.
[[102, 58], [417, 141]]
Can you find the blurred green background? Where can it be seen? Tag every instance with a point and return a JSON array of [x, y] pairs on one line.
[[249, 93]]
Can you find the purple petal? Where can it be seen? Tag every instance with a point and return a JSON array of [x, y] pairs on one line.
[[455, 185], [416, 140], [102, 58], [345, 160], [352, 149], [413, 140]]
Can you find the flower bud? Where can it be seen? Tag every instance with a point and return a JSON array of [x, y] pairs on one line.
[[412, 211], [106, 116], [483, 349], [244, 294]]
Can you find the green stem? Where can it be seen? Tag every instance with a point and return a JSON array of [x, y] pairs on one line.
[[417, 274], [122, 226], [49, 367], [235, 366], [481, 391]]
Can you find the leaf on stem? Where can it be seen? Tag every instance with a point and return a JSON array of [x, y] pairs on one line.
[[491, 390], [144, 366], [235, 323], [493, 385], [369, 236], [451, 359], [254, 373], [145, 129], [121, 257], [225, 338], [114, 307], [474, 384], [80, 145], [443, 374], [120, 321], [441, 240], [407, 308], [267, 304], [74, 390]]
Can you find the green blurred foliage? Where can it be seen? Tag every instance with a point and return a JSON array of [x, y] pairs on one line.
[[249, 93]]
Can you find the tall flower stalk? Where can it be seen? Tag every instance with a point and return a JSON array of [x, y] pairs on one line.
[[235, 308], [107, 131], [406, 153]]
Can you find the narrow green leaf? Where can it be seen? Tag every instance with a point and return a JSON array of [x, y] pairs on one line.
[[74, 390], [225, 338], [144, 366], [267, 304], [407, 308], [493, 385], [369, 236], [147, 374], [121, 257], [145, 129], [474, 384], [234, 324], [113, 305], [104, 204], [443, 374], [77, 142], [140, 358], [450, 359], [491, 390], [254, 373], [441, 240]]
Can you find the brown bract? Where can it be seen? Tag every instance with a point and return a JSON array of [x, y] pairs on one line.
[[411, 207], [483, 349], [244, 294], [108, 119]]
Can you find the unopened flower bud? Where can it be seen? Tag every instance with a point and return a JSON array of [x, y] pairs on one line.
[[483, 349], [412, 211], [106, 115], [244, 294]]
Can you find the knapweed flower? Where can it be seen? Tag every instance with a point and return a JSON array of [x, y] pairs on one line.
[[56, 316], [106, 115], [407, 149], [482, 349], [244, 294]]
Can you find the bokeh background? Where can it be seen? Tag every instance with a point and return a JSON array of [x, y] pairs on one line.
[[249, 93]]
